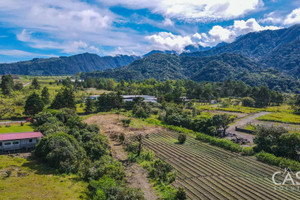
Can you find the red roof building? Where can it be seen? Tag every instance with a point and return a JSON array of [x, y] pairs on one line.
[[16, 141]]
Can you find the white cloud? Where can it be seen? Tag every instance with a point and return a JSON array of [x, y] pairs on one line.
[[67, 47], [193, 10], [168, 41], [17, 53], [218, 34], [55, 15], [293, 17], [168, 22]]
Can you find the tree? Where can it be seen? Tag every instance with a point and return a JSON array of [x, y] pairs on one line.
[[181, 138], [180, 194], [262, 96], [248, 102], [65, 98], [88, 106], [267, 136], [61, 151], [67, 82], [45, 95], [35, 84], [296, 104], [222, 121], [18, 86], [34, 104], [107, 102], [7, 84]]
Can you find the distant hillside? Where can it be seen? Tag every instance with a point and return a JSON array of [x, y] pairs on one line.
[[66, 65], [278, 49], [213, 68]]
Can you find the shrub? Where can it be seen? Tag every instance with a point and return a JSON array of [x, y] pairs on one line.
[[181, 138], [141, 113], [180, 194], [248, 102], [106, 166], [248, 151], [126, 122], [61, 151], [162, 171], [278, 161], [122, 137]]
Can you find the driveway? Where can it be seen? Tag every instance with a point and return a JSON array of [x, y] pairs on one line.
[[242, 123]]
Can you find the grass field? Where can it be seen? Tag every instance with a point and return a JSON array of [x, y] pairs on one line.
[[22, 179], [208, 172], [242, 109], [282, 117], [15, 128]]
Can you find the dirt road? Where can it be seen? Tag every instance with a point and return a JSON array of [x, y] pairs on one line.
[[242, 123], [136, 177]]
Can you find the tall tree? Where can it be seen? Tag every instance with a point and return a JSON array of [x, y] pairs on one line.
[[65, 98], [34, 104], [88, 106], [222, 121], [45, 95], [7, 84], [35, 84]]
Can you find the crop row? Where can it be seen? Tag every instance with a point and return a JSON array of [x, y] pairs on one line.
[[211, 173]]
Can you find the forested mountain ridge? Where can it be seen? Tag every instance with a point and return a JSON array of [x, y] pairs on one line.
[[278, 49], [212, 68], [255, 45], [85, 62]]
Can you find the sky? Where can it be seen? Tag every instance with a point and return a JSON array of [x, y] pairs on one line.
[[50, 28]]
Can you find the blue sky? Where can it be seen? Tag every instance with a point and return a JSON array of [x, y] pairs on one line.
[[47, 28]]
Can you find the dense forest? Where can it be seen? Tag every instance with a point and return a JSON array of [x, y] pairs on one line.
[[215, 68]]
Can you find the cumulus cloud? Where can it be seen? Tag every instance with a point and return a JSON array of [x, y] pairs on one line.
[[193, 10], [293, 17], [218, 34], [56, 15], [168, 41]]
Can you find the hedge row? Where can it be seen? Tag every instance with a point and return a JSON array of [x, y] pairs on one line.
[[223, 143], [278, 161]]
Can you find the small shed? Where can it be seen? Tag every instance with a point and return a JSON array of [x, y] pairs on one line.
[[18, 141]]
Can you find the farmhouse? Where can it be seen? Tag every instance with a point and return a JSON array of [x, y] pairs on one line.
[[146, 98], [18, 141]]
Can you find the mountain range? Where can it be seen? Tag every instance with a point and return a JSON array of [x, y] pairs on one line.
[[66, 65]]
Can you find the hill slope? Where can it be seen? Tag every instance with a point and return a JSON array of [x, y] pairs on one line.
[[66, 65], [214, 68], [277, 49]]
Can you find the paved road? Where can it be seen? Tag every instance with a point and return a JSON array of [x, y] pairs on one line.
[[242, 123]]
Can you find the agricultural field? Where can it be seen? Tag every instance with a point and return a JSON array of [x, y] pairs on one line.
[[243, 109], [208, 172], [282, 117], [15, 128], [22, 178]]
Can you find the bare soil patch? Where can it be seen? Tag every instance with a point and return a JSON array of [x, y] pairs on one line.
[[136, 177]]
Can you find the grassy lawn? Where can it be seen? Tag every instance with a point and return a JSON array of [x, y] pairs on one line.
[[24, 179], [15, 128], [282, 117]]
